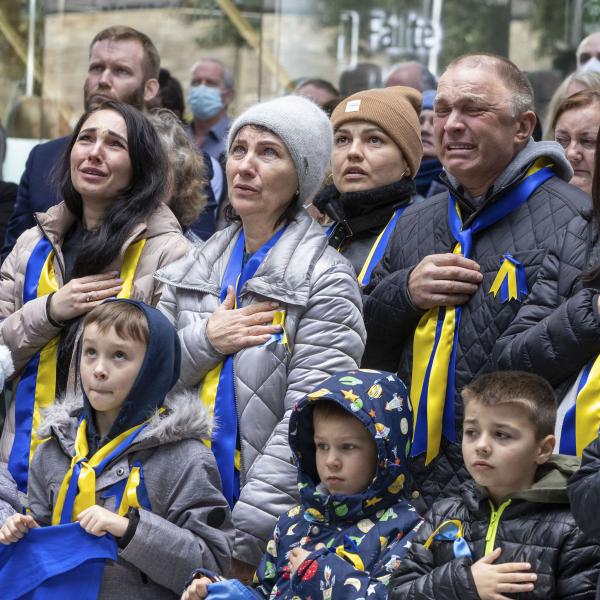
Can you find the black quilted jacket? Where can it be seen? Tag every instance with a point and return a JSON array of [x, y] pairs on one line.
[[584, 491], [552, 235], [536, 527]]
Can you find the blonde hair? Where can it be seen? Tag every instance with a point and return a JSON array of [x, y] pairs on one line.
[[590, 81], [186, 178]]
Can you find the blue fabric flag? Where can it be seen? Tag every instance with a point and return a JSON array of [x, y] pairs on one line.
[[55, 563]]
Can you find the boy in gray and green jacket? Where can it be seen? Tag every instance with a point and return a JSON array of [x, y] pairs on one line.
[[510, 531]]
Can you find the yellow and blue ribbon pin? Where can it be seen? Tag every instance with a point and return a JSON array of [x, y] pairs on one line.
[[510, 280], [281, 337]]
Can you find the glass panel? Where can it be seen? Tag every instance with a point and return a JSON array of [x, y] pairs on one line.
[[271, 45]]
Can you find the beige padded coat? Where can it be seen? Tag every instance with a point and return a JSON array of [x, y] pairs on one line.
[[26, 328]]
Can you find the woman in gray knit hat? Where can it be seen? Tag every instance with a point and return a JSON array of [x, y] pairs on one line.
[[265, 310]]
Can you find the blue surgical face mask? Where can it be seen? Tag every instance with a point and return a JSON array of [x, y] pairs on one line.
[[205, 102]]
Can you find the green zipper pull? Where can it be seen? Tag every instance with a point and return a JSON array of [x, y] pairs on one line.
[[490, 536]]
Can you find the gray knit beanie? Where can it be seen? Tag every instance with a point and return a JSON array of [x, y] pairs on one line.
[[304, 129]]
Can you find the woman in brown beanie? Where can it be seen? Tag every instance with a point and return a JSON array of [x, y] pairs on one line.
[[376, 155]]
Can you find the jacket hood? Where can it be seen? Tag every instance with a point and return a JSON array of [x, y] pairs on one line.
[[379, 400], [521, 162], [184, 418], [157, 375], [549, 487]]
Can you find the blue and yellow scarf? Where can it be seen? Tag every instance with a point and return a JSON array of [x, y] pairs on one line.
[[36, 389], [579, 426], [218, 392], [436, 337], [78, 488]]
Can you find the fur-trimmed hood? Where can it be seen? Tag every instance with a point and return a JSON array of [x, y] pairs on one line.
[[184, 418]]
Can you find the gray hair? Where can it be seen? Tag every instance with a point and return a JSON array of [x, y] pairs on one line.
[[228, 79]]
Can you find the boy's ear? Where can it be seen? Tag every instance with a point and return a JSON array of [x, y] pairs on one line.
[[545, 449]]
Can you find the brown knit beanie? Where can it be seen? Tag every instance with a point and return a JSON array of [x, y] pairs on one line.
[[395, 110]]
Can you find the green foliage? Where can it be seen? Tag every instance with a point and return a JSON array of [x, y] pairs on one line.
[[470, 25], [549, 18], [591, 15]]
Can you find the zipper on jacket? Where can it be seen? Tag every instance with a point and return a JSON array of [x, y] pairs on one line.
[[237, 413], [490, 536]]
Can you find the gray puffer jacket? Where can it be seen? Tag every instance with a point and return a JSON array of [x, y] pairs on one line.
[[317, 287], [190, 523]]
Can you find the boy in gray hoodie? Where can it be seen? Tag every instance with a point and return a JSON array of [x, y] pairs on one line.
[[128, 462]]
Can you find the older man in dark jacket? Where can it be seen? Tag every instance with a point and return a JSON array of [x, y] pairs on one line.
[[462, 265]]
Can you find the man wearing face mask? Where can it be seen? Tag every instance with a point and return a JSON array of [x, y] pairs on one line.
[[211, 93], [588, 53]]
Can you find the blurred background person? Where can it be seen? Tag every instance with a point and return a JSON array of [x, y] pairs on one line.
[[573, 83], [320, 91], [576, 128], [376, 155], [212, 90], [185, 193], [588, 53], [426, 179], [364, 76], [411, 74], [170, 95]]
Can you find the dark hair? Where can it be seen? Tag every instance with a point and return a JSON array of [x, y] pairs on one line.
[[171, 93], [151, 66], [529, 391], [428, 80], [578, 100], [127, 319], [511, 76], [594, 272], [291, 210], [133, 205], [328, 409]]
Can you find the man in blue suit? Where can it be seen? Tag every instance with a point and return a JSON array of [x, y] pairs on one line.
[[123, 65]]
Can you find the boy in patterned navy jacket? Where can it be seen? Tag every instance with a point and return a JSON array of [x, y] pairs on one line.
[[351, 439]]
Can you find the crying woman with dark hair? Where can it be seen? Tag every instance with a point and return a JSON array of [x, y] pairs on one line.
[[105, 239]]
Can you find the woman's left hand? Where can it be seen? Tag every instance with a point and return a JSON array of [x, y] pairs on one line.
[[100, 521]]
